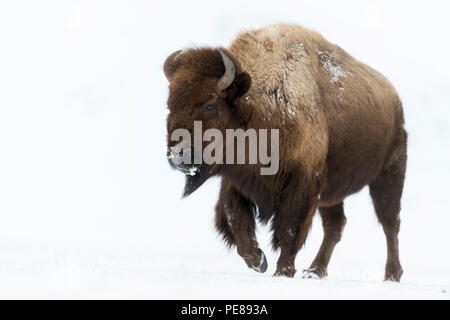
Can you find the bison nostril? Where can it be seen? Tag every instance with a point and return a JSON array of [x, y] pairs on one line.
[[175, 156], [174, 153]]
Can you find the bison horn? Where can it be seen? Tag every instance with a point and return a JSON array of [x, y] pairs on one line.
[[171, 65], [230, 71]]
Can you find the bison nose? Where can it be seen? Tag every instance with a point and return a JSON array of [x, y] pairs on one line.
[[175, 157], [176, 161]]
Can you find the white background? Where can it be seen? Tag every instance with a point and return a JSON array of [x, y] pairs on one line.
[[89, 207]]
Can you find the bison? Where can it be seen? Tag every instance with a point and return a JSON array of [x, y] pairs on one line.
[[341, 127]]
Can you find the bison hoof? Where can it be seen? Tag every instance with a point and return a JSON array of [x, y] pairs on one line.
[[314, 273], [287, 271], [393, 276], [257, 262], [393, 272], [262, 267]]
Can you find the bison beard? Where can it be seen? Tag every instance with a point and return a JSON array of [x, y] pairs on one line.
[[193, 182], [341, 129]]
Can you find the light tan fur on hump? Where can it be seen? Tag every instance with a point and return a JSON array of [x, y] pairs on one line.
[[284, 92]]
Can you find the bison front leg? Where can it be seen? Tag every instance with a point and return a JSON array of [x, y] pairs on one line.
[[291, 225], [235, 220]]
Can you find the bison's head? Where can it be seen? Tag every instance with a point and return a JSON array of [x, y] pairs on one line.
[[204, 86]]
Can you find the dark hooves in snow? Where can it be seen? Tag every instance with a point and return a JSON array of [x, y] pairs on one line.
[[257, 262], [262, 265], [310, 275], [393, 273], [285, 271], [314, 273], [393, 277]]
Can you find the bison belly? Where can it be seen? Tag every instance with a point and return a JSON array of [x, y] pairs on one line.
[[361, 139]]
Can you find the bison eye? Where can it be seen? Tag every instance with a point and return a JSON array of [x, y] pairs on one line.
[[210, 107]]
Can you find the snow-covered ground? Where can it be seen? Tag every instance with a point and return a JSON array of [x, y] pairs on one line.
[[89, 207]]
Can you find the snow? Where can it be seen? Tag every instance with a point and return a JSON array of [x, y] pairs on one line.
[[192, 171], [290, 110], [90, 208], [328, 60]]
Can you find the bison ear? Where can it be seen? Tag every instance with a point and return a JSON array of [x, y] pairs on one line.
[[171, 65], [240, 86]]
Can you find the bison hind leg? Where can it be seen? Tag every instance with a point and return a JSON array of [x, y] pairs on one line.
[[333, 222], [386, 191]]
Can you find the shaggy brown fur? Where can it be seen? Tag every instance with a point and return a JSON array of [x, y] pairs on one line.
[[341, 128]]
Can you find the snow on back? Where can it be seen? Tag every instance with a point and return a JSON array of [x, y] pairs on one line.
[[328, 60]]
